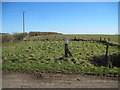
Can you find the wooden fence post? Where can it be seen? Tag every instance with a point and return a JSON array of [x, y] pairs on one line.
[[106, 51], [66, 47], [75, 38], [106, 55], [109, 39], [104, 39], [100, 39], [68, 52]]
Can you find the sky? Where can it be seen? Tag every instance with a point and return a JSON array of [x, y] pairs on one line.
[[61, 17]]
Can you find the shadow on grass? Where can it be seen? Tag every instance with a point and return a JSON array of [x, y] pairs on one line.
[[102, 61]]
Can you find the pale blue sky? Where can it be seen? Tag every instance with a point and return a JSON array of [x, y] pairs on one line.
[[63, 17], [60, 0]]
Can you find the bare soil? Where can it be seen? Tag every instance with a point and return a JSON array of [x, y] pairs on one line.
[[24, 80]]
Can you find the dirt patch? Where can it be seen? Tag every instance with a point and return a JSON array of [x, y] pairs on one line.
[[23, 80]]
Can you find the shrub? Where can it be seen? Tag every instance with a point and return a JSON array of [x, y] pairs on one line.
[[6, 38], [19, 36]]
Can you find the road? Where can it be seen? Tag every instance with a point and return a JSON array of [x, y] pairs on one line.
[[23, 80]]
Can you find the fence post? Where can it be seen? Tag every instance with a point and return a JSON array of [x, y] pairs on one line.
[[66, 47], [106, 55], [55, 37], [100, 39], [104, 39], [106, 51], [75, 38], [109, 39]]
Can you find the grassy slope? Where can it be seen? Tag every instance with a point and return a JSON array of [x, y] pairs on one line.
[[30, 56]]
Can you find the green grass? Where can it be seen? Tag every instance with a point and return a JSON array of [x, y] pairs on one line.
[[30, 56], [113, 38]]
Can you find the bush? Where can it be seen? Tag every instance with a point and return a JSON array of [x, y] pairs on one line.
[[7, 38], [42, 33], [19, 36]]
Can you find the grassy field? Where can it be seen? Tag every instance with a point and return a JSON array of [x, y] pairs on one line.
[[42, 56], [113, 38]]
